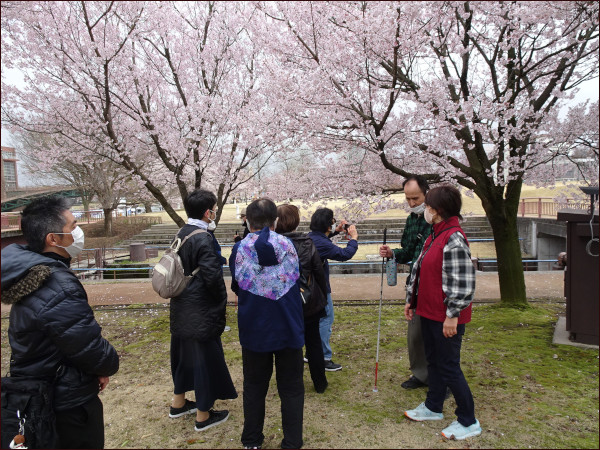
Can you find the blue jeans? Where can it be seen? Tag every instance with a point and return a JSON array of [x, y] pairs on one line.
[[443, 364], [325, 324]]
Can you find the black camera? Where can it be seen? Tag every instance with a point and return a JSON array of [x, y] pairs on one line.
[[346, 226]]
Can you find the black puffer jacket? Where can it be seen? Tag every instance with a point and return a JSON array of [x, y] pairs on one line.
[[310, 263], [52, 327], [199, 312]]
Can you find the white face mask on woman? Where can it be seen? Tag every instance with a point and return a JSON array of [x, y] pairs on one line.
[[78, 239], [428, 216]]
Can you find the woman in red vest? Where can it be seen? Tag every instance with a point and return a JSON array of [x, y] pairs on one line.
[[441, 290]]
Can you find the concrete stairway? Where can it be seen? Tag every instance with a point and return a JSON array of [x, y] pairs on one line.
[[369, 230]]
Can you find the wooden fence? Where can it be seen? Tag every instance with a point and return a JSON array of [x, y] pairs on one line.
[[12, 221], [548, 207]]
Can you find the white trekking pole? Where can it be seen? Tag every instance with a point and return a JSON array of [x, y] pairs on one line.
[[379, 320]]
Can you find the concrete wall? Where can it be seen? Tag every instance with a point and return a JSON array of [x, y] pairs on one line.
[[542, 239]]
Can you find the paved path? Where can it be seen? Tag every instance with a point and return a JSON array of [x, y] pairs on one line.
[[344, 287]]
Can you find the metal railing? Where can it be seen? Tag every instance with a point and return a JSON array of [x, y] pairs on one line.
[[90, 264], [115, 273]]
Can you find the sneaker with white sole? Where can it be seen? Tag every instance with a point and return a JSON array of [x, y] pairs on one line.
[[214, 418], [460, 432], [188, 408], [422, 412], [330, 366]]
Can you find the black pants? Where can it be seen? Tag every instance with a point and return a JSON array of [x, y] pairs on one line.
[[82, 426], [314, 353], [443, 364], [258, 368]]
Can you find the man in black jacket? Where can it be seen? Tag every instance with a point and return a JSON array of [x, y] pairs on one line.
[[197, 320], [52, 330]]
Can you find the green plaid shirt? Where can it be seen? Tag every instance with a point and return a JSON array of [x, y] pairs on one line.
[[413, 237]]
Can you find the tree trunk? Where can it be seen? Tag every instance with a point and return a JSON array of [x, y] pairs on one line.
[[85, 202], [148, 207], [510, 264], [86, 199], [108, 230]]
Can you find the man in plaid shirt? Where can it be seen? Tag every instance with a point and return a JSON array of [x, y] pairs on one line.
[[415, 233]]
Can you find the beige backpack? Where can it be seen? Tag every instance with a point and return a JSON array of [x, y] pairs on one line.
[[168, 279]]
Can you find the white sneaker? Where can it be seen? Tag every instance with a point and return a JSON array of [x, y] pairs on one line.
[[460, 432], [422, 412]]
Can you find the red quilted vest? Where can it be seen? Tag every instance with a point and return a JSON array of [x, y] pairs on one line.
[[430, 303]]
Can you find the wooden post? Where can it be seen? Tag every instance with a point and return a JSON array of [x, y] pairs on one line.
[[523, 208]]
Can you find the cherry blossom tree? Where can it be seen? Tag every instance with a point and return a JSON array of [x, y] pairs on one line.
[[343, 98], [91, 173], [175, 90], [573, 144], [462, 92]]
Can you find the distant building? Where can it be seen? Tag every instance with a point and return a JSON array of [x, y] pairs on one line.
[[10, 182]]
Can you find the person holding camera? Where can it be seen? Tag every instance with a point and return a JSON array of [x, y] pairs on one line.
[[237, 237], [322, 225]]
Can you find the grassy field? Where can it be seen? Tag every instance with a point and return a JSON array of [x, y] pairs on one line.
[[471, 205], [529, 393]]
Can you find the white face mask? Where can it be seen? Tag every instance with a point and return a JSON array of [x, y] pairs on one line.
[[428, 216], [417, 209], [78, 239], [212, 225]]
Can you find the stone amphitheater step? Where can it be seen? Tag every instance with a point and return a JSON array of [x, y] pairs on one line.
[[368, 230]]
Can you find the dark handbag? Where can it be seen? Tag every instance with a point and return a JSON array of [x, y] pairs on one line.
[[305, 288], [27, 411]]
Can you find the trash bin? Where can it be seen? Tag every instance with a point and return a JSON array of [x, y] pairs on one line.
[[137, 251], [581, 276]]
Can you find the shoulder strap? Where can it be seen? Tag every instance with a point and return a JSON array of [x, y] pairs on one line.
[[198, 231], [177, 242], [440, 233]]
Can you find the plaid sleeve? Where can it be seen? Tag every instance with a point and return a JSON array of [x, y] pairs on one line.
[[411, 283], [404, 254], [458, 275], [414, 235]]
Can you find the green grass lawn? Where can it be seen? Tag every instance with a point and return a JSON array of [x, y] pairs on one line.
[[529, 393]]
